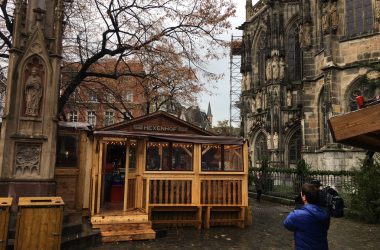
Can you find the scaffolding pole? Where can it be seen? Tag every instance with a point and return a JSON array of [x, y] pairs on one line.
[[235, 80]]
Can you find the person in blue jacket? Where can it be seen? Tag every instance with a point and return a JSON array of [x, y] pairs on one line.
[[310, 223]]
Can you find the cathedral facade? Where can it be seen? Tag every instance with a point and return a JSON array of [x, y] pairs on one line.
[[302, 62]]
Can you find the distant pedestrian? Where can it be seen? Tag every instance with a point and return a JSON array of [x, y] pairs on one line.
[[258, 181], [310, 223]]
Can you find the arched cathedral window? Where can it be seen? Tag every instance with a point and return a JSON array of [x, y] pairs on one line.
[[293, 55], [359, 87], [261, 148], [258, 53], [295, 143], [323, 107], [359, 17]]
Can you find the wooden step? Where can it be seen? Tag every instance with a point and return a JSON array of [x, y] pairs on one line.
[[125, 226], [112, 236], [118, 219]]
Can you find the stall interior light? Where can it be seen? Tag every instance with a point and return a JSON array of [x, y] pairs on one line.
[[121, 143]]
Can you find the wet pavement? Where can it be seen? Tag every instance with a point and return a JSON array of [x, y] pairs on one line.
[[266, 232]]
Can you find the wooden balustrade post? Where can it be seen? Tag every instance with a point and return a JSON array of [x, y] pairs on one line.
[[196, 190]]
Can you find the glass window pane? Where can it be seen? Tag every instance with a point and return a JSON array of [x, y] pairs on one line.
[[182, 158], [211, 158], [233, 158], [132, 155], [67, 151]]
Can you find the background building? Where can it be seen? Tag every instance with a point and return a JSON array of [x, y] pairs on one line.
[[303, 62]]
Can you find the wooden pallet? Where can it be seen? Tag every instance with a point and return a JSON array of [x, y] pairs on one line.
[[124, 226]]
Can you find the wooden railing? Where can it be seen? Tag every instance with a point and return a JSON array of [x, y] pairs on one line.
[[221, 192], [170, 192]]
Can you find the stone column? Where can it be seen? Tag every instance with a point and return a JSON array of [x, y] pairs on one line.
[[29, 128]]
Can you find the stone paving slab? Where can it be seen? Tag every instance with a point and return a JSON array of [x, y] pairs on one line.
[[266, 232]]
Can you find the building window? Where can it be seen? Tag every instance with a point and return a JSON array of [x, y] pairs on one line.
[[221, 158], [110, 98], [323, 111], [91, 117], [359, 17], [128, 96], [73, 116], [295, 143], [67, 151], [293, 55], [92, 97], [168, 156], [261, 148], [109, 118]]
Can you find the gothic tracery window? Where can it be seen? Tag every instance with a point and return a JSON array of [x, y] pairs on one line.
[[360, 87], [261, 148], [293, 55], [294, 152], [359, 16]]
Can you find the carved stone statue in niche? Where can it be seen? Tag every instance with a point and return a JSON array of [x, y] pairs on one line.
[[304, 35], [325, 18], [33, 93], [253, 105], [289, 98], [275, 68], [334, 16], [377, 11], [269, 141], [259, 101], [268, 69], [282, 68], [275, 140]]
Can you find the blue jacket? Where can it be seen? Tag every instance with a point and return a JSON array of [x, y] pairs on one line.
[[309, 224]]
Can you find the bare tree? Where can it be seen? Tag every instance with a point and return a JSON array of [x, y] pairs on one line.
[[143, 30]]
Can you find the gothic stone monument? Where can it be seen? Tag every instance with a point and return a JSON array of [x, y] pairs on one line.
[[28, 133]]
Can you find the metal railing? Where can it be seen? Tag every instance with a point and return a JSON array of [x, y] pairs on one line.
[[288, 185]]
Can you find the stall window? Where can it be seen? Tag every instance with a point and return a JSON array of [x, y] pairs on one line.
[[222, 158], [168, 156], [67, 151]]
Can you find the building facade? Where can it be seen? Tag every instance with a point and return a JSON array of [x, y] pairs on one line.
[[303, 62], [103, 102]]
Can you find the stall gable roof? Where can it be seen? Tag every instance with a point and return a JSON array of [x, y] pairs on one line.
[[158, 122]]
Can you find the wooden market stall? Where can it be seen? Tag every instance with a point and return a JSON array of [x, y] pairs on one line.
[[159, 169]]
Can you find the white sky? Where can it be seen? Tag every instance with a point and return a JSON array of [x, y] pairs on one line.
[[220, 100]]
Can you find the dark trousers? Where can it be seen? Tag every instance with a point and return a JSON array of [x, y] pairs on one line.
[[258, 195]]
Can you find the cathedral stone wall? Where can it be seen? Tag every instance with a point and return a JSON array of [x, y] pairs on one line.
[[303, 62]]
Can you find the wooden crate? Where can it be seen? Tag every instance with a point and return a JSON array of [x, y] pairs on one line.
[[5, 204], [39, 223]]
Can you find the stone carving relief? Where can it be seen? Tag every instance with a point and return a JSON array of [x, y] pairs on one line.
[[330, 16], [253, 105], [305, 35], [27, 157], [33, 88], [275, 67]]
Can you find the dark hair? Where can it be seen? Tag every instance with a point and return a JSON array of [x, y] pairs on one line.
[[311, 193]]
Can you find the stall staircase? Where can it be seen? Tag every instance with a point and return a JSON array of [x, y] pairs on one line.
[[124, 226]]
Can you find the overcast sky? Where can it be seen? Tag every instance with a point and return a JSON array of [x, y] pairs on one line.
[[220, 100]]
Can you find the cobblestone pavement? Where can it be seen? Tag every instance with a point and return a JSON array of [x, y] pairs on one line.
[[266, 232]]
